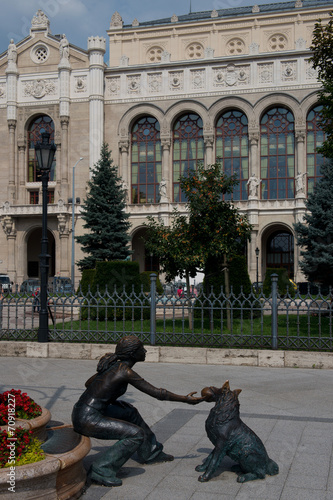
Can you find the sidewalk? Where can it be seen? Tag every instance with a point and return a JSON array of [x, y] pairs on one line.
[[290, 409]]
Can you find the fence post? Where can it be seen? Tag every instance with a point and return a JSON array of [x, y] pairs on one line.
[[274, 278], [152, 308]]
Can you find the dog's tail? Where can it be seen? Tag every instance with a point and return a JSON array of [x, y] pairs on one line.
[[272, 467]]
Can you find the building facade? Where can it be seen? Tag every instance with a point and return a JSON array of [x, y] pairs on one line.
[[234, 86]]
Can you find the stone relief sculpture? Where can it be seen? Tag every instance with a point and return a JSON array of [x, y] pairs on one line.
[[253, 184]]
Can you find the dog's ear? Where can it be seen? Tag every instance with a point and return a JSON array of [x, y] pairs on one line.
[[237, 392], [225, 386]]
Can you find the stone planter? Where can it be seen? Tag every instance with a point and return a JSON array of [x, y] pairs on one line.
[[36, 425], [60, 476]]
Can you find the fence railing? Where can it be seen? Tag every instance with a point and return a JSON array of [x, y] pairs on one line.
[[271, 321]]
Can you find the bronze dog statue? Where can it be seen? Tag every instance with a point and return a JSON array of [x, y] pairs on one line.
[[232, 437]]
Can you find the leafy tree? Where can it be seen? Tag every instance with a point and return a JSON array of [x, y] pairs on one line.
[[322, 47], [104, 215], [212, 232], [316, 236]]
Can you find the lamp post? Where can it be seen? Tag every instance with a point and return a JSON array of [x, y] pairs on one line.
[[73, 228], [45, 153], [257, 256]]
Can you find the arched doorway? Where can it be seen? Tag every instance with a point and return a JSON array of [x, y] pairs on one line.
[[34, 250], [146, 261], [280, 251]]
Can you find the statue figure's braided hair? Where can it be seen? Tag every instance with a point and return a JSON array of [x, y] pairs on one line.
[[124, 349]]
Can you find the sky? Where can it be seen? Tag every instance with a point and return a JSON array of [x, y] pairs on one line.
[[80, 19]]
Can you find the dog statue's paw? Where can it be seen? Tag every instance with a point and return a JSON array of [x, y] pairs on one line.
[[200, 468]]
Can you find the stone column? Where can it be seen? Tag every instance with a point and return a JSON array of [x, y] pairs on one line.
[[62, 154], [254, 159], [300, 167], [11, 160], [22, 169], [12, 75], [96, 50]]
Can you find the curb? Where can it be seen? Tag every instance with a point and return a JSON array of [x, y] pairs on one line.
[[165, 354]]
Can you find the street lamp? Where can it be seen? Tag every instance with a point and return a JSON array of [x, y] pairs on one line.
[[44, 153], [257, 255], [73, 239]]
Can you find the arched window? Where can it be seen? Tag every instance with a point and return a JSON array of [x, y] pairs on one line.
[[146, 160], [280, 251], [188, 149], [315, 137], [232, 147], [277, 154], [37, 128]]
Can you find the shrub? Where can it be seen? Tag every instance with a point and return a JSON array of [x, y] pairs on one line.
[[87, 279], [283, 282], [145, 280], [27, 448]]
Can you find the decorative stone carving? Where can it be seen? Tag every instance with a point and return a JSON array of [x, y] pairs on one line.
[[39, 53], [214, 13], [231, 76], [2, 92], [80, 84], [298, 4], [112, 86], [39, 88], [244, 75], [289, 71], [64, 48], [155, 83], [165, 56], [116, 21], [218, 79], [277, 42], [63, 224], [198, 79], [300, 44], [255, 9], [133, 84], [8, 225], [40, 21], [154, 54], [254, 48], [176, 80], [124, 60], [174, 18], [194, 51], [209, 53], [265, 73], [235, 46], [311, 72]]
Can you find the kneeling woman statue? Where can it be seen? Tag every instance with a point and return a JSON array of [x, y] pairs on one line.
[[99, 414]]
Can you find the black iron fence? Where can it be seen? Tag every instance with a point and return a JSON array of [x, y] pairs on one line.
[[293, 321]]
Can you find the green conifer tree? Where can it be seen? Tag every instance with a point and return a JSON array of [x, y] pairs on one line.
[[104, 216], [316, 236]]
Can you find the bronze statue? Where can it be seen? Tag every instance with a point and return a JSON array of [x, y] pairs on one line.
[[99, 414], [232, 437]]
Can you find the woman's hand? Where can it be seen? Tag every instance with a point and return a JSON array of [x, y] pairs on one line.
[[193, 401]]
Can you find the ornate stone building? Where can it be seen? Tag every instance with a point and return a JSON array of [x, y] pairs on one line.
[[232, 85]]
